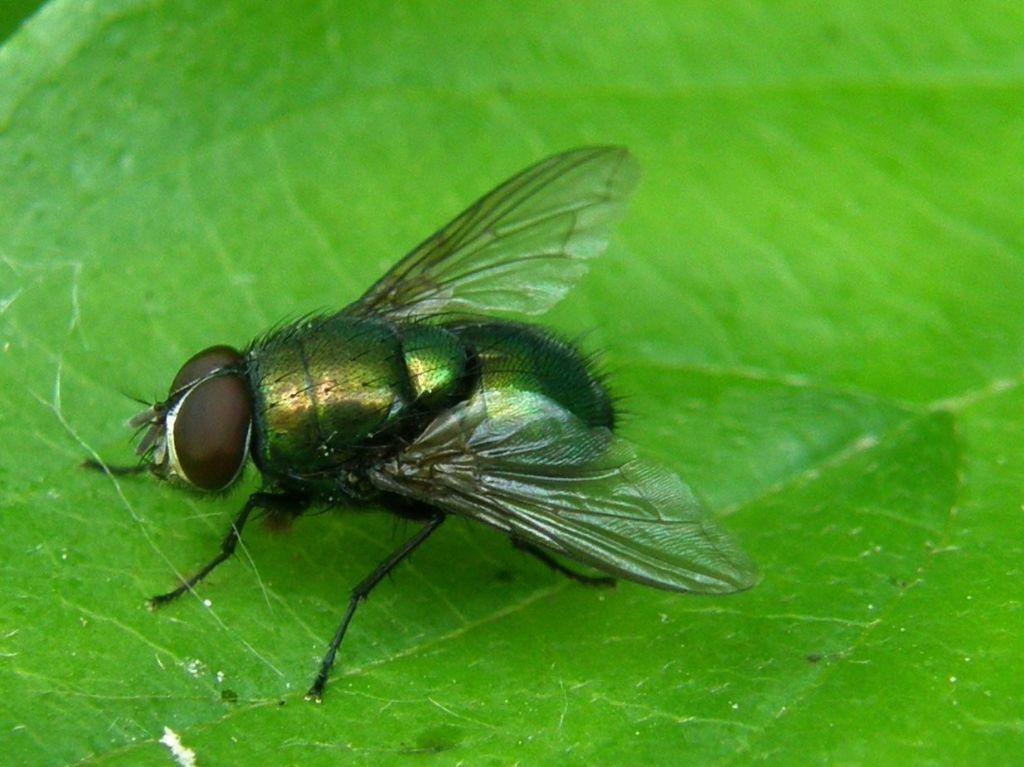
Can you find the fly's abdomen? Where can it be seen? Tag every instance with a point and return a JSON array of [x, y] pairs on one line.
[[323, 389], [527, 358]]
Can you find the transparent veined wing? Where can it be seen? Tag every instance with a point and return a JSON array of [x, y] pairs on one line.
[[518, 248], [521, 463]]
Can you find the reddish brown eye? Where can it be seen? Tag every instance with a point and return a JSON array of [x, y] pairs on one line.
[[208, 426], [204, 363], [209, 440]]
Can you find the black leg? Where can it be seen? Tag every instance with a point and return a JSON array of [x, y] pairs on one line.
[[601, 581], [269, 501], [360, 592], [93, 465]]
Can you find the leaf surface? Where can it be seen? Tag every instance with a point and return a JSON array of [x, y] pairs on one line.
[[811, 311]]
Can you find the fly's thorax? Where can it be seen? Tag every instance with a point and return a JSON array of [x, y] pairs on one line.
[[323, 388], [435, 361], [515, 356]]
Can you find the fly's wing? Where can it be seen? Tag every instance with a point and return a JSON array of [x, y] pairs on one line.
[[521, 463], [519, 248]]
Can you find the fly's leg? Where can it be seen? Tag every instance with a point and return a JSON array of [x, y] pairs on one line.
[[274, 502], [600, 581], [118, 471], [360, 592]]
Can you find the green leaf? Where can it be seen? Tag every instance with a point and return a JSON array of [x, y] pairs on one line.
[[13, 13], [812, 312]]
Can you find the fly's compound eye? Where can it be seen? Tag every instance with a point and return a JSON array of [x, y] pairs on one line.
[[203, 364], [209, 422]]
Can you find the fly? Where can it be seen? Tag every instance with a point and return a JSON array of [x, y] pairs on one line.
[[416, 399]]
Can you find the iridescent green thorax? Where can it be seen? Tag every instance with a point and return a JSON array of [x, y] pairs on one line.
[[436, 363], [323, 387], [527, 358]]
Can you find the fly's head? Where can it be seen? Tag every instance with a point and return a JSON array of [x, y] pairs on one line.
[[199, 436]]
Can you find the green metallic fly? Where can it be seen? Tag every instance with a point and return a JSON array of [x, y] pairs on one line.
[[414, 400]]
